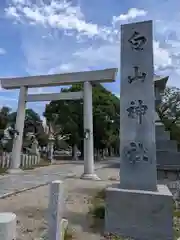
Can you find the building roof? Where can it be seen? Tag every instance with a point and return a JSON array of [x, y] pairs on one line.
[[160, 81]]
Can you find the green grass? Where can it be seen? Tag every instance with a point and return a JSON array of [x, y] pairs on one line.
[[3, 171], [97, 213], [97, 207], [68, 234]]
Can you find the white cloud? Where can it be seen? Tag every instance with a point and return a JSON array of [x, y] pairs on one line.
[[85, 59], [19, 1], [8, 102], [108, 54], [3, 98], [162, 58], [131, 14], [63, 15], [58, 14], [2, 51], [65, 67], [74, 66], [50, 50], [47, 53], [117, 95], [12, 12]]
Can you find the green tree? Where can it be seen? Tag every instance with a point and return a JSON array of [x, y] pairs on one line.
[[4, 120], [106, 107], [4, 117], [170, 105], [32, 123], [69, 115], [169, 111]]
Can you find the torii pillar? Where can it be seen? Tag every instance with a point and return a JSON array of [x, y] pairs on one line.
[[88, 134], [19, 127]]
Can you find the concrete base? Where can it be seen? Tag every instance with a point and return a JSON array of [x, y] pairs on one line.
[[142, 215], [15, 171], [93, 176], [53, 161]]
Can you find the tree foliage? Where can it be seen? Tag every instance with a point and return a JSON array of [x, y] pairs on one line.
[[69, 115], [66, 118], [33, 123], [4, 117], [169, 111]]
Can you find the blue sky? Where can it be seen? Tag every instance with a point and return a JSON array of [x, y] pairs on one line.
[[56, 36]]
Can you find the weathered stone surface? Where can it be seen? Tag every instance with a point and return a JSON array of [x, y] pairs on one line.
[[169, 145], [168, 158], [164, 136], [142, 215], [55, 210], [167, 155]]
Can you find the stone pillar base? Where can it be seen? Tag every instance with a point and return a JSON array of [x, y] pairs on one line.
[[7, 226], [142, 215], [92, 176], [52, 161], [15, 171]]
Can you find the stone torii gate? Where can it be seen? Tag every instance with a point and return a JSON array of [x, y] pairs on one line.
[[88, 77]]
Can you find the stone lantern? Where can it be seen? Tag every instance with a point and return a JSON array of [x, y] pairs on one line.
[[35, 146], [51, 141]]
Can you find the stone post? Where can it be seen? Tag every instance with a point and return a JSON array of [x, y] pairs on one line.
[[19, 127], [55, 210], [88, 134], [7, 226]]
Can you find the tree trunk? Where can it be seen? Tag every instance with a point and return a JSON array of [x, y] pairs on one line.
[[82, 149], [98, 155], [102, 154], [109, 152], [74, 153]]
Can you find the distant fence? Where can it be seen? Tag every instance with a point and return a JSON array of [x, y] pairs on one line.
[[27, 160]]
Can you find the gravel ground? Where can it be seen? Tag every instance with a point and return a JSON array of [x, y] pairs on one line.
[[31, 206]]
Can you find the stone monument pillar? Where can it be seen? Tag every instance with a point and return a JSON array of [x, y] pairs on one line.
[[138, 207]]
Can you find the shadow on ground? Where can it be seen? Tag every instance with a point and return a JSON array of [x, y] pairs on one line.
[[84, 222]]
